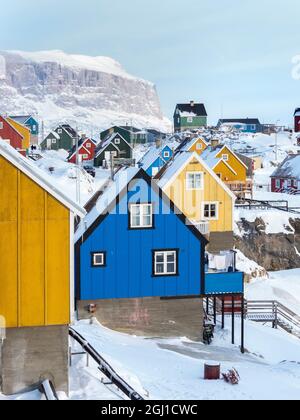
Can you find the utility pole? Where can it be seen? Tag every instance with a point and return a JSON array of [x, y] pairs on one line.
[[276, 141]]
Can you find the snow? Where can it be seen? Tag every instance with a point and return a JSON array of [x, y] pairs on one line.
[[64, 175], [77, 61], [283, 286], [270, 371]]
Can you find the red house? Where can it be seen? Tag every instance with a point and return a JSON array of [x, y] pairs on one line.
[[86, 151], [10, 134], [286, 178], [297, 120]]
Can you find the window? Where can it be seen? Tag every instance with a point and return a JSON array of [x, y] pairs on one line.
[[85, 156], [194, 181], [219, 175], [165, 263], [190, 119], [34, 127], [210, 211], [59, 131], [166, 155], [53, 141], [98, 259], [253, 127], [155, 171], [117, 140], [1, 125], [199, 146], [278, 183], [141, 216], [88, 145], [225, 158]]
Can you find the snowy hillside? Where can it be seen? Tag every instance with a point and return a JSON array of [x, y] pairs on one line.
[[89, 92]]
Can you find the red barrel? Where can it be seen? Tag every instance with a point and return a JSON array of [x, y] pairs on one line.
[[212, 372]]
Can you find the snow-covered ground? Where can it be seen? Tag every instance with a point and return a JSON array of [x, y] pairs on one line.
[[173, 369]]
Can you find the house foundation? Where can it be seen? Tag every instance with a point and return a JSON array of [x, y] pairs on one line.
[[150, 317], [31, 355]]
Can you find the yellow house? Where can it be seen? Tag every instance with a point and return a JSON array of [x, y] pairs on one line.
[[229, 168], [200, 194], [37, 274], [195, 144], [24, 131]]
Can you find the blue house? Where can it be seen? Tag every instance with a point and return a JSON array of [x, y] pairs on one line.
[[143, 264], [29, 121], [155, 159], [245, 125]]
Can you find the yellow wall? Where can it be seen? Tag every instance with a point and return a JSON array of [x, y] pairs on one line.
[[194, 147], [235, 164], [190, 202], [34, 253], [24, 131]]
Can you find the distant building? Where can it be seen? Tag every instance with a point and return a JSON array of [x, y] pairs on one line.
[[86, 151], [31, 123], [286, 177], [297, 120], [133, 135], [191, 116], [13, 134], [63, 137], [245, 125], [156, 157], [116, 146]]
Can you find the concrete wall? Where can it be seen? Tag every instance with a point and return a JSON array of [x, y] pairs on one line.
[[30, 355], [151, 317]]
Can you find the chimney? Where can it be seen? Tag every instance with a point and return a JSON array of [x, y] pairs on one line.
[[192, 103]]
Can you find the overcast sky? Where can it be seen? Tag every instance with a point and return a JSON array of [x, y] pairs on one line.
[[235, 56]]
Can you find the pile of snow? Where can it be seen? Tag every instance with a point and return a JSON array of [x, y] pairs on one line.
[[250, 267]]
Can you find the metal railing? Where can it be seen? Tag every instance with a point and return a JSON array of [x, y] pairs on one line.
[[282, 205], [105, 367]]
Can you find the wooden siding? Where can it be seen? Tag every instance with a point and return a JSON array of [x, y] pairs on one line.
[[24, 131], [34, 253], [190, 202], [235, 164], [129, 264]]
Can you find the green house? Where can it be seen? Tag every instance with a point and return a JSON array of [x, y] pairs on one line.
[[63, 137], [115, 146], [132, 135], [188, 117]]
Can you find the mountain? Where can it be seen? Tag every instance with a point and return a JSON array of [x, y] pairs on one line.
[[91, 93]]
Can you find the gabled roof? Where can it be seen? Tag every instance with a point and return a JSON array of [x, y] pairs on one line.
[[112, 195], [109, 140], [80, 144], [69, 130], [246, 121], [290, 168], [234, 154], [186, 145], [191, 109], [210, 157], [297, 112], [38, 176], [21, 119], [12, 127], [175, 166], [152, 155]]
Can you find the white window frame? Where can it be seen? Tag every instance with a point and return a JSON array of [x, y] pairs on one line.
[[88, 145], [278, 183], [117, 140], [53, 141], [165, 263], [210, 203], [199, 146], [85, 156], [96, 255], [1, 125], [188, 174], [141, 216], [225, 157], [190, 120], [167, 154], [59, 131]]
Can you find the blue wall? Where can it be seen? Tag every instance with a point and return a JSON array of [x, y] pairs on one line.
[[222, 283], [128, 273], [33, 125], [159, 162]]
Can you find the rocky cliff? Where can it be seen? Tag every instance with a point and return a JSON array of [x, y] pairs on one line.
[[92, 92], [273, 251]]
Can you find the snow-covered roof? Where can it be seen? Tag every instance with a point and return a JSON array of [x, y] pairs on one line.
[[186, 145], [180, 161], [122, 178], [38, 176], [21, 119], [151, 156], [102, 146], [191, 109], [290, 168]]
